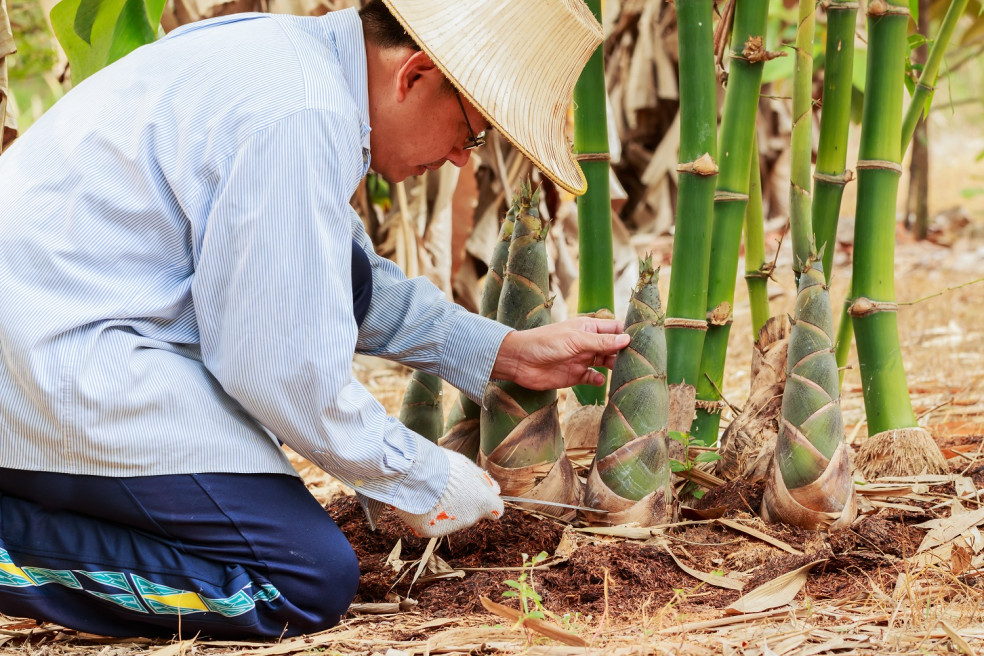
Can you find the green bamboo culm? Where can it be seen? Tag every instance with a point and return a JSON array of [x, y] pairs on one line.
[[461, 432], [422, 410], [923, 95], [757, 270], [800, 199], [831, 171], [521, 443], [748, 56], [594, 209], [810, 485], [895, 443], [918, 106], [686, 321], [630, 477]]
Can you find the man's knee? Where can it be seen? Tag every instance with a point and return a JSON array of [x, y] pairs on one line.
[[322, 585]]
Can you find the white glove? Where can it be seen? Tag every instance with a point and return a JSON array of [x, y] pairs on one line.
[[471, 495]]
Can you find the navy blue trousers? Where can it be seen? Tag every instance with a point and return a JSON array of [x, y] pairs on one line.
[[223, 555]]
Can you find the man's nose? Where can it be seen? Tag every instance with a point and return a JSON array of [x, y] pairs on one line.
[[459, 157]]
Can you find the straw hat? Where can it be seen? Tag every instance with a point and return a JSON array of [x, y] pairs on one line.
[[517, 61]]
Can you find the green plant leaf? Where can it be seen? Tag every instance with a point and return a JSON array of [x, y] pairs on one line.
[[708, 456], [510, 593], [910, 84], [95, 33], [677, 466]]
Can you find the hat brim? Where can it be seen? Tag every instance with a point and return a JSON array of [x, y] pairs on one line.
[[529, 110]]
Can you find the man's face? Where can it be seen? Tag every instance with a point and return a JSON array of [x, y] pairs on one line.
[[424, 128]]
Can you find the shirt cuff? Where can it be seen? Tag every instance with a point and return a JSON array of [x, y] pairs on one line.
[[472, 347], [426, 480]]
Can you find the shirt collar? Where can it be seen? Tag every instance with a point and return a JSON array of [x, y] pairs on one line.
[[344, 29]]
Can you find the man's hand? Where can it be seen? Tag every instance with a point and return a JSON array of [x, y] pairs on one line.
[[471, 495], [561, 354]]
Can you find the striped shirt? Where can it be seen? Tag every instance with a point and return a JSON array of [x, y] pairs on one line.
[[175, 258]]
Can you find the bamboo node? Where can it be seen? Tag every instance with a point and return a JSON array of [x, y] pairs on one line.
[[881, 8], [882, 164], [720, 315], [681, 322], [593, 157], [863, 307], [754, 51], [838, 6], [842, 179], [703, 165], [711, 407], [726, 196]]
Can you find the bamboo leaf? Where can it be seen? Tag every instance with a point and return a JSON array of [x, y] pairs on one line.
[[780, 591], [715, 579]]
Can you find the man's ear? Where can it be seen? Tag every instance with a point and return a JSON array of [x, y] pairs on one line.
[[415, 69]]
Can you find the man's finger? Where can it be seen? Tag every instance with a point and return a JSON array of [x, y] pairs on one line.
[[601, 326], [592, 377], [606, 344]]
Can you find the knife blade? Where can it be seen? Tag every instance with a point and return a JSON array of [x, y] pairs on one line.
[[557, 504]]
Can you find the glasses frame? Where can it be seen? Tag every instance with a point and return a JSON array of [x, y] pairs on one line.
[[474, 140]]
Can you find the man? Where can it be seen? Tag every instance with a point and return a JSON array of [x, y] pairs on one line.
[[185, 284]]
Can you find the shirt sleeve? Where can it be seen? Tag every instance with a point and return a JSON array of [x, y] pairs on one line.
[[273, 299], [411, 321]]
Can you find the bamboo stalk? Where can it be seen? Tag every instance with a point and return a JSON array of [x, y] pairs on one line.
[[831, 171], [923, 96], [800, 199], [748, 56], [757, 269], [686, 320], [918, 106], [594, 209], [891, 422]]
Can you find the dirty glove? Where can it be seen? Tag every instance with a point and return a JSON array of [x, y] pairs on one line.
[[471, 495]]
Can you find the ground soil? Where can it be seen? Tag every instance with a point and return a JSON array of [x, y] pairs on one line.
[[622, 578]]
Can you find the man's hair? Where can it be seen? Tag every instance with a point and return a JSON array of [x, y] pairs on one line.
[[382, 29]]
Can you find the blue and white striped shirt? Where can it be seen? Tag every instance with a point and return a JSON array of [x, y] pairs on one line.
[[175, 258]]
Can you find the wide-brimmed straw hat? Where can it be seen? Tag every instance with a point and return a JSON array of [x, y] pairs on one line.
[[517, 61]]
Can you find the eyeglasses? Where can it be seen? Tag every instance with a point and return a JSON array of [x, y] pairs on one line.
[[475, 140]]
